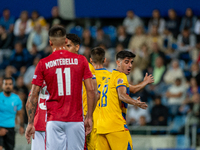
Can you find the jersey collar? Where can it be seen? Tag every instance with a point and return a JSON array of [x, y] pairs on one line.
[[101, 69]]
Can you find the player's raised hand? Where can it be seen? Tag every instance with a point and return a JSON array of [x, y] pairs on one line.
[[88, 125], [30, 131], [140, 104], [148, 78]]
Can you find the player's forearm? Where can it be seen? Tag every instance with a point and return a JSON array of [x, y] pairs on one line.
[[31, 105], [138, 87], [21, 116], [127, 99], [31, 108], [91, 98]]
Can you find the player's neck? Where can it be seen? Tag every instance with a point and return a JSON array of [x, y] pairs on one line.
[[119, 69], [98, 66], [57, 48]]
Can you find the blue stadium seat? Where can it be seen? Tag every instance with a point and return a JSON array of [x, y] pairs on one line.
[[177, 123], [93, 31], [78, 30], [111, 31], [182, 141], [182, 64]]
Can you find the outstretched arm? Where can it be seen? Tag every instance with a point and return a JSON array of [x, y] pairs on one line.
[[127, 99], [148, 79]]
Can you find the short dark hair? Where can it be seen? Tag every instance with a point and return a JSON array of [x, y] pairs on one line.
[[6, 9], [124, 54], [158, 97], [8, 78], [57, 31], [74, 38], [186, 29], [98, 55]]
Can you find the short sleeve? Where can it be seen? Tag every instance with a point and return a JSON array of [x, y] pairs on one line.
[[19, 103], [121, 80], [38, 75], [87, 73]]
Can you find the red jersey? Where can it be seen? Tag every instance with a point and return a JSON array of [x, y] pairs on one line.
[[40, 114], [63, 73]]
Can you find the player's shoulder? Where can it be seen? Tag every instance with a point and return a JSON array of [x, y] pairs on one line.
[[45, 59], [81, 57], [15, 97], [117, 73]]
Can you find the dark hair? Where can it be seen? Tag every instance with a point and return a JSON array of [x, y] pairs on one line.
[[157, 97], [19, 42], [98, 55], [35, 11], [6, 9], [124, 54], [74, 38], [8, 78], [57, 31], [186, 29]]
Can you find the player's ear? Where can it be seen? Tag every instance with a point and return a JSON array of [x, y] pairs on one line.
[[104, 60], [77, 47], [91, 60], [118, 62], [66, 40], [50, 43]]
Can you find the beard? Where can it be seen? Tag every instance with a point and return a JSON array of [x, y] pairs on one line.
[[7, 92]]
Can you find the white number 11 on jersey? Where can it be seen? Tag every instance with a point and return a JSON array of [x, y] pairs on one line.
[[60, 81]]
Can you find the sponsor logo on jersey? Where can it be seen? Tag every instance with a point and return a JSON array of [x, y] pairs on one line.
[[42, 106], [119, 81], [35, 76]]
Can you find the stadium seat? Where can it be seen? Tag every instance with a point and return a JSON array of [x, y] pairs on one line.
[[111, 31], [93, 30], [78, 30], [182, 64], [177, 123], [182, 141]]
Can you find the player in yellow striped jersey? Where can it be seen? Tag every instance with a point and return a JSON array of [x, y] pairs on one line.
[[112, 131], [97, 59], [73, 46]]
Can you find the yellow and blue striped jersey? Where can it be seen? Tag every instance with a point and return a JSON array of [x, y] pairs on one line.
[[84, 96], [112, 113], [101, 74]]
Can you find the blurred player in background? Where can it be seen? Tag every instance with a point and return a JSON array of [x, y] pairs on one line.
[[38, 143], [112, 131], [63, 73], [73, 46]]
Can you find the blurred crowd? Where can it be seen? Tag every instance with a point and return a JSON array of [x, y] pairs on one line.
[[167, 47]]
